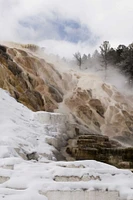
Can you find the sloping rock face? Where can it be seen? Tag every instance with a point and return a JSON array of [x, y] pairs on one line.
[[100, 148], [102, 109], [29, 79], [92, 105]]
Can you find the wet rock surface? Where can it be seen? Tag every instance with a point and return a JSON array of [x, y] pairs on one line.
[[27, 79], [100, 148], [42, 85]]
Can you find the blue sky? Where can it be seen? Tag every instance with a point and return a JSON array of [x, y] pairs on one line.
[[66, 29]]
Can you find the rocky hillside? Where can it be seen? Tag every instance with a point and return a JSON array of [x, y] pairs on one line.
[[92, 105]]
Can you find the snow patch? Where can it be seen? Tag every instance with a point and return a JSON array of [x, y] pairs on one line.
[[23, 132]]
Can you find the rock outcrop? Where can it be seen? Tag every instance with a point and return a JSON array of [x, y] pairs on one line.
[[40, 84], [29, 79], [100, 148]]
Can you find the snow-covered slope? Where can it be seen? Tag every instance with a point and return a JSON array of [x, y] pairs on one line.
[[25, 135], [43, 83], [19, 130]]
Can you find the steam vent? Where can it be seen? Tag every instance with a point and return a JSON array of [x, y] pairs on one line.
[[103, 115], [64, 133]]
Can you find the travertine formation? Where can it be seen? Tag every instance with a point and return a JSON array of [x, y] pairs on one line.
[[92, 106], [33, 135], [29, 79], [100, 148]]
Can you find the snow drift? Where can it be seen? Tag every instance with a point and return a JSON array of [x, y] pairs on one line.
[[24, 132], [30, 141]]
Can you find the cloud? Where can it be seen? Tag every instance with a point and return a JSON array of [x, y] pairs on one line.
[[65, 48], [56, 28], [71, 25]]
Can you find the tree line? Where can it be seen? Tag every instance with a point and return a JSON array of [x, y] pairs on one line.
[[120, 58]]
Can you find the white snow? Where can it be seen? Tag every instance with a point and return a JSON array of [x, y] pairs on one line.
[[23, 132]]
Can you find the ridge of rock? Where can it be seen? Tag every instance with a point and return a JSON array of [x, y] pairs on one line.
[[39, 84]]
